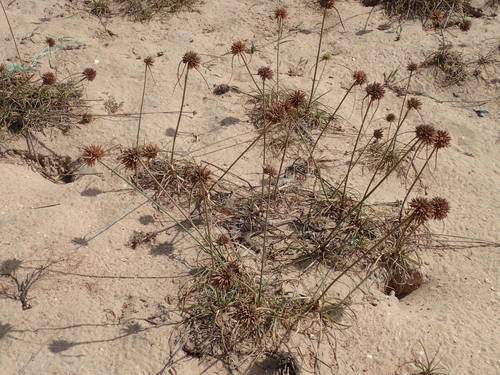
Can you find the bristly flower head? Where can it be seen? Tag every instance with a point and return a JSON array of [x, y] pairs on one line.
[[149, 61], [378, 134], [359, 78], [280, 13], [414, 103], [326, 56], [425, 134], [442, 139], [391, 117], [412, 67], [297, 98], [238, 48], [278, 112], [465, 25], [200, 175], [191, 59], [150, 151], [265, 73], [375, 91], [436, 15], [89, 74], [92, 154], [422, 209], [326, 4], [50, 42], [49, 78], [87, 118], [130, 158], [270, 170], [440, 208]]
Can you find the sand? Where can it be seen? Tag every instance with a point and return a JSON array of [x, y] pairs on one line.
[[91, 313]]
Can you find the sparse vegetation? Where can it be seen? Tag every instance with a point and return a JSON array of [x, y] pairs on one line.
[[138, 10]]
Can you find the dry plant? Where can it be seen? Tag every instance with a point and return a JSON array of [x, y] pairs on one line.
[[138, 10], [252, 237], [449, 63], [429, 365], [437, 11]]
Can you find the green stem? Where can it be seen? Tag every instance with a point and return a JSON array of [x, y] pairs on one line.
[[317, 58], [250, 73], [142, 105]]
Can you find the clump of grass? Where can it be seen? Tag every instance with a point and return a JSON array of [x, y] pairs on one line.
[[144, 10], [449, 63], [436, 10], [30, 104], [429, 365]]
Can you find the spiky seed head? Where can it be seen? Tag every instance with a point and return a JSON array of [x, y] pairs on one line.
[[425, 134], [87, 118], [3, 69], [130, 158], [270, 170], [378, 134], [266, 73], [280, 13], [465, 25], [226, 275], [326, 4], [49, 78], [442, 139], [248, 316], [422, 209], [50, 42], [326, 57], [414, 103], [412, 67], [149, 61], [391, 117], [191, 59], [238, 48], [150, 151], [440, 208], [89, 74], [375, 91], [436, 15], [359, 77], [297, 98], [222, 240], [200, 175], [92, 154], [278, 112]]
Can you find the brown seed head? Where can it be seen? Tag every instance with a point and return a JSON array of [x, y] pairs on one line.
[[412, 67], [280, 13], [150, 151], [248, 316], [222, 240], [297, 98], [149, 61], [414, 103], [436, 15], [440, 207], [92, 154], [270, 170], [278, 112], [465, 25], [442, 139], [326, 4], [326, 57], [50, 42], [425, 134], [49, 78], [391, 117], [375, 91], [238, 48], [191, 59], [200, 175], [422, 209], [87, 118], [359, 77], [130, 158], [226, 275], [89, 74], [3, 69], [265, 73], [378, 134]]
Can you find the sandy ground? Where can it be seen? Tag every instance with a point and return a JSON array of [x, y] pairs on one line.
[[83, 310]]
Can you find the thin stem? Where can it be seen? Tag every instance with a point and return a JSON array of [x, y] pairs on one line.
[[317, 58], [400, 120], [250, 73], [11, 32], [350, 166], [180, 115], [414, 182], [332, 117], [263, 255], [285, 147], [142, 105], [280, 30], [265, 140]]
